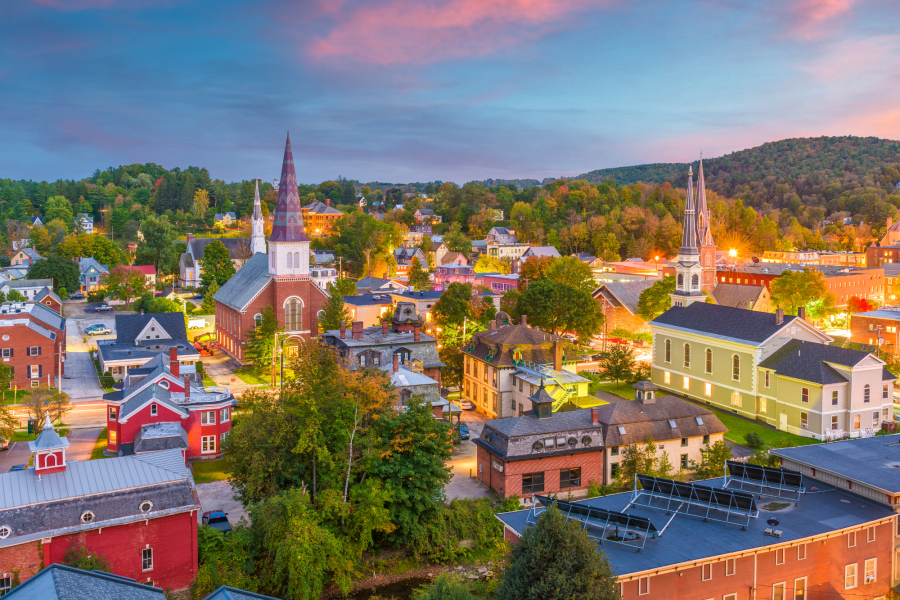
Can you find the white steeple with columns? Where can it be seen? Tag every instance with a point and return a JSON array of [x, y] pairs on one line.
[[688, 269], [257, 237]]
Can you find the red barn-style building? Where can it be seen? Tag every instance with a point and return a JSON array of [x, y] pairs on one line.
[[162, 406], [278, 277], [138, 512]]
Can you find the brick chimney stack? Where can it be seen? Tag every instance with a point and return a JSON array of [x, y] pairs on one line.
[[187, 387], [357, 330], [343, 330], [524, 320], [801, 312], [396, 362], [890, 222], [384, 326], [595, 416], [174, 365], [557, 355], [416, 333], [779, 316], [493, 325], [328, 202]]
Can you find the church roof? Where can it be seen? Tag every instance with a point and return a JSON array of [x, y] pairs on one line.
[[246, 284], [288, 225], [737, 296]]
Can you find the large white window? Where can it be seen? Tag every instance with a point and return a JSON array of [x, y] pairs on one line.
[[778, 591], [147, 559], [850, 576], [208, 444], [870, 570], [800, 588], [208, 417]]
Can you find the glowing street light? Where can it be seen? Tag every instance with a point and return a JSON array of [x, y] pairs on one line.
[[732, 253]]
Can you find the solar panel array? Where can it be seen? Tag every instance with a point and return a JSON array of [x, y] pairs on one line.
[[766, 481], [716, 504], [596, 522]]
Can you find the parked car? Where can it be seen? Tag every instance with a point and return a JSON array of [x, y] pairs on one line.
[[76, 296], [465, 404], [197, 297], [463, 431], [618, 341], [197, 323], [17, 468], [3, 444], [98, 330], [217, 520], [104, 308]]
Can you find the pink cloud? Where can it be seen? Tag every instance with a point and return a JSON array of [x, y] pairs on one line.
[[416, 31], [813, 19]]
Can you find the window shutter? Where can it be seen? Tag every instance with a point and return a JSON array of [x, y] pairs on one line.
[[39, 350], [11, 352], [40, 370]]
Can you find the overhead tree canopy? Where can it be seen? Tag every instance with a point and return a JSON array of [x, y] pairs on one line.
[[655, 300]]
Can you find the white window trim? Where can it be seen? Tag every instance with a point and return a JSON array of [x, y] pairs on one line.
[[204, 439], [874, 562], [143, 559], [855, 576], [704, 574], [642, 580]]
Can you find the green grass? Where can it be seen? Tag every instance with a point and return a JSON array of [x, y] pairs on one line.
[[622, 389], [207, 381], [22, 435], [99, 446], [209, 470], [255, 376]]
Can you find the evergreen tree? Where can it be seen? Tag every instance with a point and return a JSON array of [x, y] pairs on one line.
[[418, 277], [261, 339], [217, 265], [334, 312], [209, 304], [556, 560]]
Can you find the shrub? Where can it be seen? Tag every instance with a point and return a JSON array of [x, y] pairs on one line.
[[81, 558], [618, 332], [444, 587], [754, 440], [595, 488]]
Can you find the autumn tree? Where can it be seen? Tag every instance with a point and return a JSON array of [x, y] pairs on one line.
[[489, 264], [460, 303], [534, 268], [201, 204], [559, 308], [8, 424], [571, 271], [125, 282]]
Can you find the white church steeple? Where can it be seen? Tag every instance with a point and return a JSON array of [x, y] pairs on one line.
[[257, 237]]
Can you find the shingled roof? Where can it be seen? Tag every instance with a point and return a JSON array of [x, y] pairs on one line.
[[737, 296], [624, 294], [808, 361], [61, 582], [128, 327], [535, 345], [654, 420], [743, 326]]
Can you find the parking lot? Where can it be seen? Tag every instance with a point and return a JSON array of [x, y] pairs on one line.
[[80, 380], [465, 461]]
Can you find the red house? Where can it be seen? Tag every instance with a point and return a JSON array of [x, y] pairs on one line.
[[138, 512], [163, 406], [33, 343]]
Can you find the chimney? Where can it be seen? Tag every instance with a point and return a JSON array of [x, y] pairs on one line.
[[174, 365], [384, 326], [327, 202], [343, 330], [801, 312], [396, 362], [190, 238], [416, 333], [890, 222], [557, 355], [595, 416], [357, 330], [779, 316], [493, 325], [187, 387], [524, 320]]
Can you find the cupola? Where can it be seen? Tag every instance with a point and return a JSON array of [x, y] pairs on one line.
[[49, 450], [645, 392], [541, 403]]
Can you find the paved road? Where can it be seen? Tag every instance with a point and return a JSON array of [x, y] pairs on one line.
[[464, 459], [81, 444], [80, 380], [218, 495]]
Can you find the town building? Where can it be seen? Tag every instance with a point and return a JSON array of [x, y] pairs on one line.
[[138, 512], [33, 343], [508, 252], [368, 308], [589, 259], [164, 405], [808, 257], [409, 381], [641, 268], [498, 282], [501, 235], [36, 221], [681, 541], [323, 276], [887, 250], [48, 298], [25, 257], [618, 303], [536, 251], [320, 258], [449, 273], [319, 218], [769, 367], [368, 285], [149, 272], [29, 288], [227, 219], [140, 338], [495, 358], [401, 337], [877, 328], [436, 252], [424, 300], [426, 216], [748, 297], [453, 257], [842, 258], [91, 274], [404, 257], [279, 279], [190, 263], [84, 222]]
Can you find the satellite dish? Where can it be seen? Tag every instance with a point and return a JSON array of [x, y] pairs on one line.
[[773, 522]]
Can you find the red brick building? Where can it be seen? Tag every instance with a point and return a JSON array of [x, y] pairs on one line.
[[138, 512], [33, 343], [618, 303], [162, 406], [279, 278], [877, 328]]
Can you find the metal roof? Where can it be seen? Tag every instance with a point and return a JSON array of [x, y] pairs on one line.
[[60, 582], [246, 284], [229, 593], [881, 313], [689, 540]]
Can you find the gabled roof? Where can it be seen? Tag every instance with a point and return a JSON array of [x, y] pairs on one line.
[[743, 326], [624, 294], [237, 247], [435, 246], [246, 284], [451, 257], [424, 211], [737, 296], [220, 216], [45, 293], [129, 327], [320, 208], [86, 264], [808, 361], [640, 421], [372, 299], [229, 593], [145, 269], [61, 582], [31, 253], [501, 231], [48, 439], [541, 251]]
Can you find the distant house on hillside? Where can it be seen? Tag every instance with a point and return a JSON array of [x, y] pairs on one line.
[[225, 218]]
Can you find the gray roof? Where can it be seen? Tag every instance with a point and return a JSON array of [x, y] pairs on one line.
[[369, 299], [370, 284], [808, 361], [132, 353], [737, 296], [146, 394], [881, 313], [652, 420], [541, 251], [564, 377], [229, 593], [128, 327], [61, 582], [220, 216], [745, 326], [31, 253], [47, 439], [320, 208], [18, 284], [235, 246], [873, 461], [44, 314], [690, 540], [44, 293], [160, 436], [246, 284], [891, 269], [387, 344], [86, 263], [625, 294], [514, 437]]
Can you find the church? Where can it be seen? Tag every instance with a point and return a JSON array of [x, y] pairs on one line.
[[278, 276]]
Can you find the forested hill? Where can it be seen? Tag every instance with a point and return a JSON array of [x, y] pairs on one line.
[[787, 173]]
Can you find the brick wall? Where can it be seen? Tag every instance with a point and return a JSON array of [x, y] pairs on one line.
[[25, 558], [859, 331], [21, 338], [510, 479]]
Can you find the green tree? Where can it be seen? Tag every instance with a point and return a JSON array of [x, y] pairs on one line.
[[451, 355], [208, 306], [216, 264], [618, 364], [335, 311], [261, 339], [58, 207], [157, 248], [82, 558], [63, 272], [44, 400], [571, 271], [557, 560], [713, 463], [125, 282], [457, 241], [655, 300], [201, 204], [489, 264], [460, 302], [412, 467], [557, 308], [8, 421], [15, 296], [444, 587], [800, 288], [346, 287], [418, 277], [225, 560]]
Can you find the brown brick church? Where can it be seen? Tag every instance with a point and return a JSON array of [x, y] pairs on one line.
[[278, 277]]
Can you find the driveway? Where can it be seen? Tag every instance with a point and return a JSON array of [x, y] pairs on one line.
[[218, 495], [80, 380], [464, 459], [81, 443]]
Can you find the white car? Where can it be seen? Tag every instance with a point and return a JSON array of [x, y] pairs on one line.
[[197, 323], [465, 404], [104, 308]]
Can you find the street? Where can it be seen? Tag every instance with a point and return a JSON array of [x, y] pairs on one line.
[[80, 381], [464, 460]]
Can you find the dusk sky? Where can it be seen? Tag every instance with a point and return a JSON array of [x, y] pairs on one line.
[[423, 90]]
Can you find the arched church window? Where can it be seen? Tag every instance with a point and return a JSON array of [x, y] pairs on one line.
[[292, 315], [695, 282], [680, 281]]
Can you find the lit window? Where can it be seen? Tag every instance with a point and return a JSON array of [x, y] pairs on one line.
[[708, 389], [800, 589], [736, 399], [112, 436], [855, 421], [834, 423], [762, 405], [667, 377], [686, 383], [778, 591]]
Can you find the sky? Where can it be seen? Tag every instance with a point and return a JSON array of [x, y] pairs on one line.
[[425, 90]]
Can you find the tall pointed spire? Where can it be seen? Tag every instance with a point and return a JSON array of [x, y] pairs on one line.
[[704, 233], [288, 225], [689, 231], [257, 237]]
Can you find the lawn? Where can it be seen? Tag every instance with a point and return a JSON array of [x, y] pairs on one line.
[[99, 446], [209, 470], [737, 426], [255, 376], [22, 435], [207, 381]]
